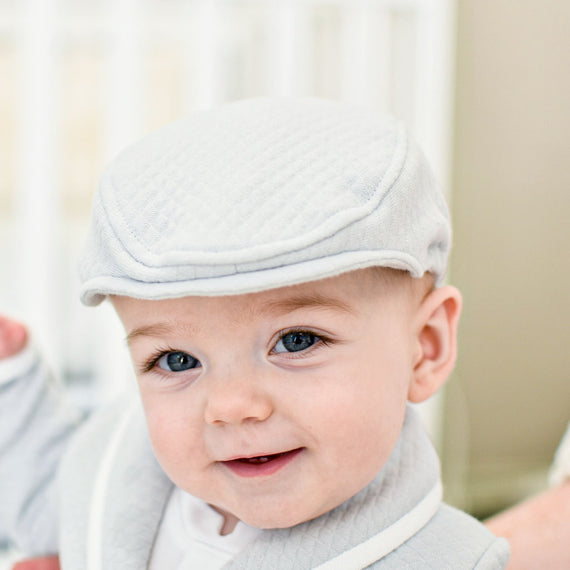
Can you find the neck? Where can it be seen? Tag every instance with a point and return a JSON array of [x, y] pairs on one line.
[[229, 523]]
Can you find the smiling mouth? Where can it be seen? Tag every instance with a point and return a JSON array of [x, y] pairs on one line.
[[261, 464]]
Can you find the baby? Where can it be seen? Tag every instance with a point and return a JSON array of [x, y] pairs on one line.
[[277, 266]]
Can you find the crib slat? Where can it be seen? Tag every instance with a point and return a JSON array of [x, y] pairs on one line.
[[289, 54], [123, 85], [204, 46], [433, 86], [38, 210]]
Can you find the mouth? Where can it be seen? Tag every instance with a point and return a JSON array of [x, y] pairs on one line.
[[261, 465]]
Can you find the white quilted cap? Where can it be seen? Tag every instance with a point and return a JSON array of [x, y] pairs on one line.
[[259, 194]]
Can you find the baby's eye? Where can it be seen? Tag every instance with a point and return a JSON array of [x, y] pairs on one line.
[[295, 341], [177, 361]]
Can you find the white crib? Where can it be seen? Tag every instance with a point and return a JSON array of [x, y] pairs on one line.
[[83, 78]]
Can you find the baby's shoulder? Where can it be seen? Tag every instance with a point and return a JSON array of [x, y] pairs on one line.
[[94, 436], [113, 491], [451, 540]]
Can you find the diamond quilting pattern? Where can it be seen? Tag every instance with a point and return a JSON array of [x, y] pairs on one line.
[[217, 192]]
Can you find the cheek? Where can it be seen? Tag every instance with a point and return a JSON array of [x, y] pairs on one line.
[[366, 411], [384, 403], [170, 428]]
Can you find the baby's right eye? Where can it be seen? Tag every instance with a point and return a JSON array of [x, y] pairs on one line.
[[177, 361]]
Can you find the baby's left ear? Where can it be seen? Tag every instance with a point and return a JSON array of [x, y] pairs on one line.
[[436, 342]]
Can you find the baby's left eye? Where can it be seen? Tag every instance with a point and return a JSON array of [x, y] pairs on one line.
[[295, 341]]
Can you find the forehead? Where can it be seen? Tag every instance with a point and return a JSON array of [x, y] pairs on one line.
[[349, 293]]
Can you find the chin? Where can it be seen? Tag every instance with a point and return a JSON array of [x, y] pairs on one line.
[[268, 523], [280, 518]]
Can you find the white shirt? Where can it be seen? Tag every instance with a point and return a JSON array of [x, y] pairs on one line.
[[189, 536]]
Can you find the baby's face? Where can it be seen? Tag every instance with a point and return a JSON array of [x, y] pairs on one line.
[[275, 406]]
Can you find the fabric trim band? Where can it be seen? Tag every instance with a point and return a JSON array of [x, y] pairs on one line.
[[381, 544]]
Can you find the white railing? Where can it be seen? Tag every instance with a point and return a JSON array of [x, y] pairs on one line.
[[150, 62]]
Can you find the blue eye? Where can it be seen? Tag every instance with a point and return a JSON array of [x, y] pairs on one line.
[[295, 341], [177, 361]]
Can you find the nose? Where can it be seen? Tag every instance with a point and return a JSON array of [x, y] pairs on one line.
[[235, 399]]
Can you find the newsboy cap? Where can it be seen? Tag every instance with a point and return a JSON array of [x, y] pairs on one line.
[[259, 194]]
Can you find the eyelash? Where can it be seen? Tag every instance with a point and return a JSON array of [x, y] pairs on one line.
[[322, 340], [151, 363]]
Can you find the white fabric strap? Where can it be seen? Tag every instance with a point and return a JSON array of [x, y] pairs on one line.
[[560, 470], [17, 365], [381, 544], [97, 506]]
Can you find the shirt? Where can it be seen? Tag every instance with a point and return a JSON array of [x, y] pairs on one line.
[[189, 536]]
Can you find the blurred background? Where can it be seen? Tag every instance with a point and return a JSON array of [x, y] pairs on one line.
[[483, 85]]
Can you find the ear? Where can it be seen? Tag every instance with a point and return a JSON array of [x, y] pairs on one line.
[[436, 342]]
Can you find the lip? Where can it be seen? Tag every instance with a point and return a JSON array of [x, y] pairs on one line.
[[241, 467]]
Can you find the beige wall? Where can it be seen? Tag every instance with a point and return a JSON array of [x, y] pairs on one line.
[[510, 399]]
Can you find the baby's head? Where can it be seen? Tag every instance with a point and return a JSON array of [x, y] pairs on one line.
[[274, 264]]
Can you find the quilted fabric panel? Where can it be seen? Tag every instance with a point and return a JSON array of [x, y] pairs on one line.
[[451, 541], [231, 177]]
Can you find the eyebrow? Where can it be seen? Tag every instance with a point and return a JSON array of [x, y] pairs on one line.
[[315, 301], [156, 329]]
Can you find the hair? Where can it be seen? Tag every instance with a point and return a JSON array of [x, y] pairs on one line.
[[418, 287]]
